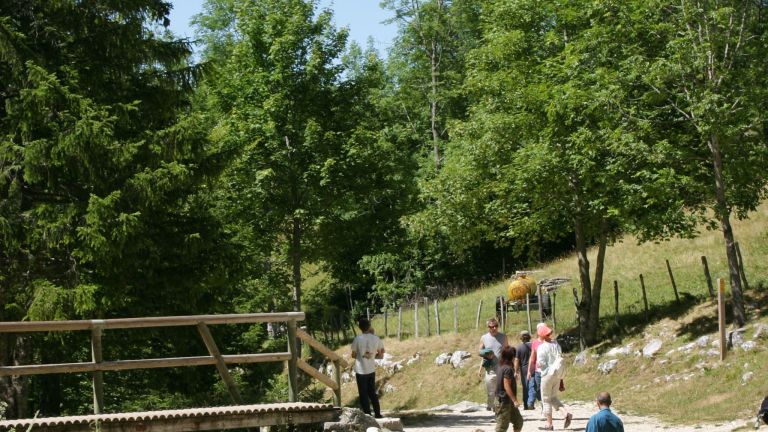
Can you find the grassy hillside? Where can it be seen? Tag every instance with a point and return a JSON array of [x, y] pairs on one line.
[[714, 391]]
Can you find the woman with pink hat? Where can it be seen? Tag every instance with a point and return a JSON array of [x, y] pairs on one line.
[[549, 359]]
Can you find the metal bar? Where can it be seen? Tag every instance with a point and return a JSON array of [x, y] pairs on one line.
[[320, 347], [172, 321], [220, 365], [293, 388], [98, 376]]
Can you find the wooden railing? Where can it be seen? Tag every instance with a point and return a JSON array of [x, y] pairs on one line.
[[97, 366]]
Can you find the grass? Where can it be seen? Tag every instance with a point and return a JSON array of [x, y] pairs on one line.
[[713, 394]]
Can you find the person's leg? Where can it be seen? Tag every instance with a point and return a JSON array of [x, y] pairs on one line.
[[524, 385], [516, 418], [548, 396], [362, 390], [537, 384], [490, 390], [502, 417], [531, 391], [373, 395]]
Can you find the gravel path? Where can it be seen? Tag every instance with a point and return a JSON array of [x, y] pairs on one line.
[[483, 421]]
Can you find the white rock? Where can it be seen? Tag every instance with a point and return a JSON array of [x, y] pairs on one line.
[[712, 353], [735, 338], [672, 377], [443, 359], [442, 407], [637, 353], [687, 348], [385, 361], [458, 358], [746, 365], [390, 423], [625, 350], [345, 378], [748, 345], [716, 343], [608, 366], [646, 335], [670, 352], [388, 389], [746, 377], [761, 332], [595, 356], [653, 346], [703, 341], [466, 406], [411, 361], [663, 361], [373, 429], [581, 359]]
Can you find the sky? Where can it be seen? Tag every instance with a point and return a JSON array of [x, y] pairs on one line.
[[363, 17]]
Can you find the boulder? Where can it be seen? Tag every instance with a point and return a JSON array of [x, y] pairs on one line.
[[443, 359], [460, 358], [595, 356], [746, 377], [443, 407], [703, 341], [607, 366], [466, 407], [735, 338], [391, 423], [652, 347], [761, 331], [748, 345], [581, 359], [687, 348], [625, 350], [713, 353], [353, 419]]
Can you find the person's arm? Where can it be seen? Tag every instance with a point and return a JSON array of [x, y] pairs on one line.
[[353, 347], [531, 362], [480, 370], [482, 346], [517, 367], [506, 341], [508, 389], [380, 351]]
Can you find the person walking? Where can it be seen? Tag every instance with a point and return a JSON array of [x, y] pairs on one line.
[[548, 355], [495, 341], [367, 347], [604, 420], [533, 374], [506, 394], [522, 357]]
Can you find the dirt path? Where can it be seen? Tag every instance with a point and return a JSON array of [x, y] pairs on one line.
[[483, 420]]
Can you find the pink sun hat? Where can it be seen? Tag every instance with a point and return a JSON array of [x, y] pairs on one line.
[[544, 331]]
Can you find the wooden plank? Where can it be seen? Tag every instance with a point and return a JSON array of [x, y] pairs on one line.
[[706, 274], [672, 278], [293, 387], [202, 422], [320, 347], [139, 364], [316, 374], [337, 381], [98, 376], [220, 365], [125, 323]]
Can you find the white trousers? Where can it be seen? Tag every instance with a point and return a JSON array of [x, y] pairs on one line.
[[490, 389], [549, 388]]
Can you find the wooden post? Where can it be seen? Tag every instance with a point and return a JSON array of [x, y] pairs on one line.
[[645, 297], [541, 304], [337, 379], [706, 273], [426, 313], [479, 308], [501, 314], [721, 315], [741, 268], [293, 388], [672, 278], [400, 323], [554, 319], [386, 331], [528, 311], [222, 367], [455, 317], [343, 326], [416, 318], [98, 376], [437, 318], [616, 297]]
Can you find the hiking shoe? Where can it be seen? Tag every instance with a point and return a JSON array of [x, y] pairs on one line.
[[568, 420], [546, 427]]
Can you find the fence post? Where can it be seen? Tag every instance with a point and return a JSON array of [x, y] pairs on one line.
[[528, 310], [293, 388], [501, 314], [721, 315], [455, 317], [645, 298], [479, 308], [437, 318], [337, 379], [741, 268], [616, 296], [426, 313], [400, 323], [554, 319], [224, 372], [98, 376], [541, 304], [416, 318], [706, 273], [386, 329], [672, 278]]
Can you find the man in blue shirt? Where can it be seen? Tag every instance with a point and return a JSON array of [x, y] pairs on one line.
[[605, 420]]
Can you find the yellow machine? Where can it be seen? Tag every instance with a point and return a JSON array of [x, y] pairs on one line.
[[520, 287]]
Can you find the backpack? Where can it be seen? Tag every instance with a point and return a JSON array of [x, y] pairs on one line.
[[558, 369]]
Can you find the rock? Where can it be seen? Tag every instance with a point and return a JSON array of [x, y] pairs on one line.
[[595, 356], [752, 306], [385, 361], [626, 350], [670, 352], [761, 331], [443, 407], [653, 346], [746, 377], [703, 341], [746, 365], [748, 345], [581, 359], [712, 353], [352, 419], [391, 423], [413, 359], [466, 406], [443, 359], [345, 378], [716, 343], [637, 353], [373, 429], [735, 338], [687, 348], [608, 366], [672, 377], [460, 358], [646, 335], [664, 361]]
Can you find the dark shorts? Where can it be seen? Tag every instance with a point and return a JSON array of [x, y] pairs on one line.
[[506, 414]]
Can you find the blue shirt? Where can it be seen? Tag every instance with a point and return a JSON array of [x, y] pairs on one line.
[[605, 421]]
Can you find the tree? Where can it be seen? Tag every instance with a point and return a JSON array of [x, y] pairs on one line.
[[706, 85]]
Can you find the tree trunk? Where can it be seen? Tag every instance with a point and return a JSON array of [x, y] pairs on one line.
[[296, 255], [723, 212], [435, 133], [583, 306], [594, 312], [15, 350]]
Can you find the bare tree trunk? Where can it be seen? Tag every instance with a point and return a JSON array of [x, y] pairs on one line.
[[435, 133], [724, 215], [296, 252], [15, 350], [594, 312], [583, 307]]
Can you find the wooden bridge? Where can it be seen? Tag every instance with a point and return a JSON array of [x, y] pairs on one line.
[[232, 417]]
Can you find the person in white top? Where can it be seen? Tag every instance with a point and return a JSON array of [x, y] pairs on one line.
[[548, 352], [365, 349]]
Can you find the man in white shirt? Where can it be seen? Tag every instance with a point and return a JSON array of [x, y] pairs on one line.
[[365, 348]]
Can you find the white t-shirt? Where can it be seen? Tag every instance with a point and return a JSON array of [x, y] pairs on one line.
[[366, 346]]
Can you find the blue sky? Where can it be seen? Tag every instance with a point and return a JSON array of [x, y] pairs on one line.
[[363, 17]]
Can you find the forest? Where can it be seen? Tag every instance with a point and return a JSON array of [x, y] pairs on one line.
[[143, 174]]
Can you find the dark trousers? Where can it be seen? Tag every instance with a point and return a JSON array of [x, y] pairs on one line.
[[534, 388], [524, 382], [366, 388]]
